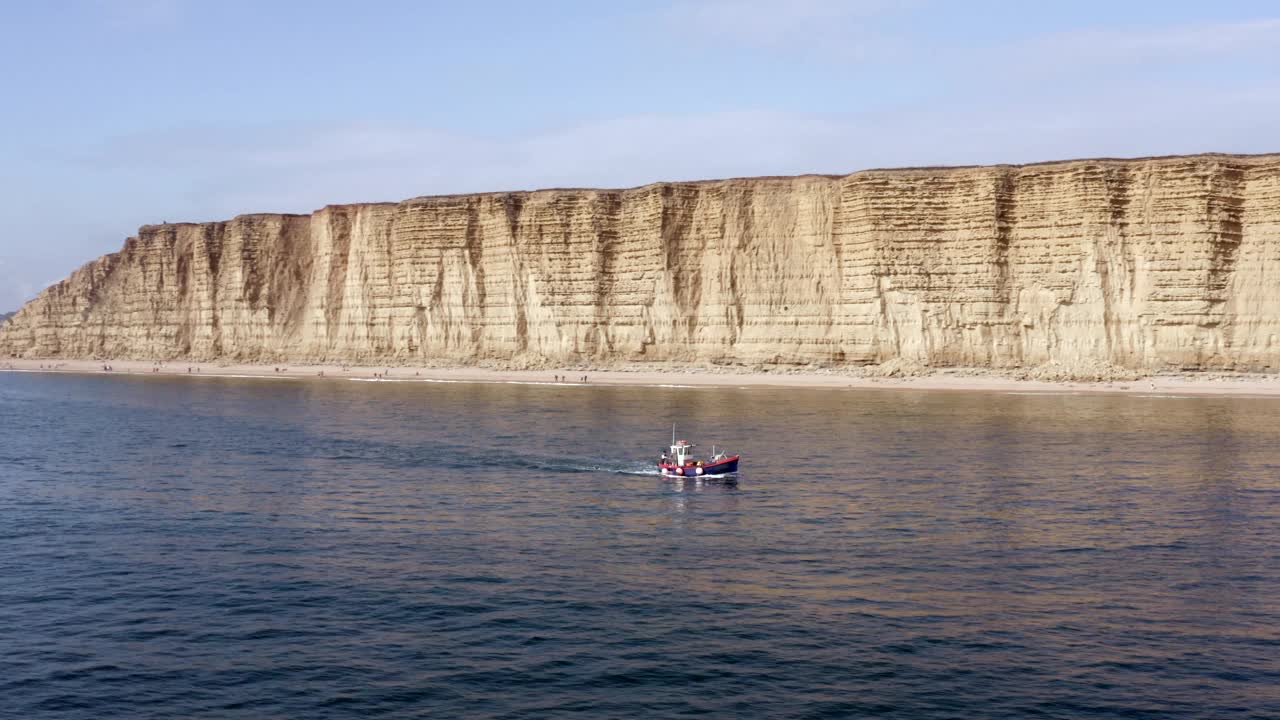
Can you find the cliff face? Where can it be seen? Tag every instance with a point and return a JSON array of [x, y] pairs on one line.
[[1145, 264]]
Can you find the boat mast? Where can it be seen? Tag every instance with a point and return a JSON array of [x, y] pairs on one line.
[[673, 434]]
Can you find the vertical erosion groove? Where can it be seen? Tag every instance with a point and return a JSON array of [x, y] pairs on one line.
[[339, 231]]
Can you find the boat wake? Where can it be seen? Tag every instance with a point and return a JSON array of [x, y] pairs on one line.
[[633, 468], [572, 465], [451, 457], [640, 469]]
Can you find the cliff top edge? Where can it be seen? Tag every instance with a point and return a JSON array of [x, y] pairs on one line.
[[1256, 158]]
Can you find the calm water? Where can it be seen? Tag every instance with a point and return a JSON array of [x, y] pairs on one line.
[[271, 548]]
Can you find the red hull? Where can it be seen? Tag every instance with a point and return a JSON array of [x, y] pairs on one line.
[[721, 467]]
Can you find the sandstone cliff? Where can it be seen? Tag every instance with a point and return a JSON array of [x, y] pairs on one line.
[[1146, 264]]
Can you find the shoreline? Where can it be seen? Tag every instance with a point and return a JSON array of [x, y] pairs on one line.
[[958, 380]]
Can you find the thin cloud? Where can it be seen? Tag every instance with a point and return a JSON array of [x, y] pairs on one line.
[[846, 29], [767, 22], [305, 168], [859, 30], [142, 15], [1182, 42]]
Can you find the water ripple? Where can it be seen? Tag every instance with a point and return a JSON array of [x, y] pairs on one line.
[[225, 548]]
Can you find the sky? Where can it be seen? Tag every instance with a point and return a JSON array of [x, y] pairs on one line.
[[119, 113]]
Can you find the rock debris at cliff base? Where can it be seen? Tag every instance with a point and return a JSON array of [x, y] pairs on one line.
[[1134, 265]]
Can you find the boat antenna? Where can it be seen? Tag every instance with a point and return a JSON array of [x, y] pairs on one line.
[[673, 433]]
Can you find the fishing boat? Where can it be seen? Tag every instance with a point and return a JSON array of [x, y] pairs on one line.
[[679, 460]]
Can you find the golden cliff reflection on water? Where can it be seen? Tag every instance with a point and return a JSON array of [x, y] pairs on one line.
[[1066, 473], [1075, 547]]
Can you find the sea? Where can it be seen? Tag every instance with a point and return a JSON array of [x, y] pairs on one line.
[[176, 547]]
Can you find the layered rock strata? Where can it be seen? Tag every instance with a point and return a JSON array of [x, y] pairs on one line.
[[1144, 264]]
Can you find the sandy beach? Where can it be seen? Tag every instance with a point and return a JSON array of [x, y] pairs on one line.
[[955, 380]]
